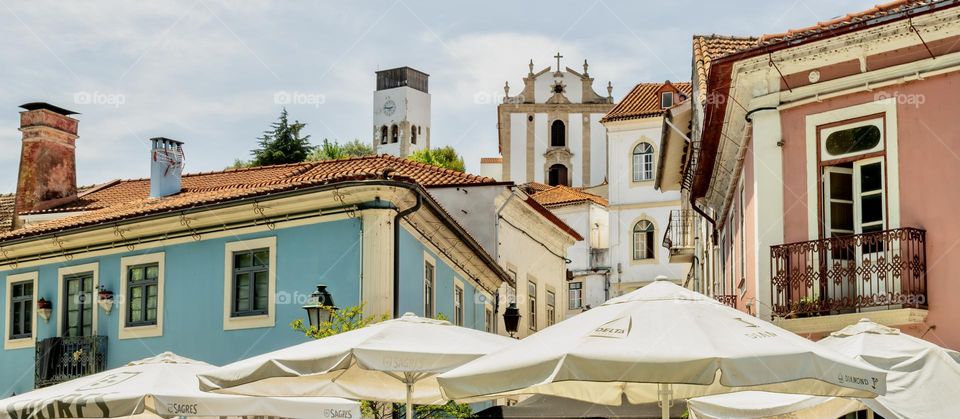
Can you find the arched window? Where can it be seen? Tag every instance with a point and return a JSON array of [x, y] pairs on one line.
[[384, 134], [558, 134], [557, 175], [642, 162], [643, 240], [394, 134], [413, 135]]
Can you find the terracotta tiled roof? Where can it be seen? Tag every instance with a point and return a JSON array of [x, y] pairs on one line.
[[644, 101], [707, 48], [531, 188], [118, 200], [559, 196], [877, 12], [6, 212]]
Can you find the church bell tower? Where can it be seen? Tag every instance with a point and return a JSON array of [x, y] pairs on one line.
[[401, 112]]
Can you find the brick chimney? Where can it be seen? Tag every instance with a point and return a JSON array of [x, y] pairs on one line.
[[48, 171]]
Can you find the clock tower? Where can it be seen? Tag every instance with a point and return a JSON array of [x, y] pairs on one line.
[[401, 112]]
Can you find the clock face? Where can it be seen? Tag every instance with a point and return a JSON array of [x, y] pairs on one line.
[[389, 107]]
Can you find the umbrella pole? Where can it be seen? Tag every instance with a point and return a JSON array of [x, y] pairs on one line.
[[665, 393], [409, 400]]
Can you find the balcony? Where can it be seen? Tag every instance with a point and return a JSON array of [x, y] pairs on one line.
[[63, 359], [678, 238], [881, 275], [727, 299]]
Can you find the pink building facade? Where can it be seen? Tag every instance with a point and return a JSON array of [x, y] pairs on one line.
[[823, 166]]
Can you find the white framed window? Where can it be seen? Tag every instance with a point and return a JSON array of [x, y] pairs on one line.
[[250, 283], [642, 162], [666, 100], [429, 286], [532, 305], [575, 295], [21, 314], [76, 304], [141, 296], [853, 139], [643, 240], [458, 303], [551, 308], [511, 290], [881, 114], [488, 319]]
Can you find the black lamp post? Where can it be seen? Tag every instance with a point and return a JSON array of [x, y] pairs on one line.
[[320, 306], [511, 319]]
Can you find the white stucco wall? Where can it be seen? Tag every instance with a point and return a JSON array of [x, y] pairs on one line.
[[475, 208], [575, 144], [518, 147], [543, 87], [631, 202], [411, 105], [541, 139], [598, 147]]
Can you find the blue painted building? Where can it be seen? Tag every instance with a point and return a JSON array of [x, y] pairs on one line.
[[217, 266]]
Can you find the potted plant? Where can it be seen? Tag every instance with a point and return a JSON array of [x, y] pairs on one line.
[[105, 300], [44, 309]]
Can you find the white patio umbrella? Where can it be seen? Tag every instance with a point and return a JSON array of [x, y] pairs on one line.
[[923, 380], [658, 342], [161, 386], [391, 361]]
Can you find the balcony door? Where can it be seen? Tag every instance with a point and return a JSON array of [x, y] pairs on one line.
[[78, 310], [854, 198], [854, 204]]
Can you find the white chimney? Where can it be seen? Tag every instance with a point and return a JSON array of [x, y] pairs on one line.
[[166, 166]]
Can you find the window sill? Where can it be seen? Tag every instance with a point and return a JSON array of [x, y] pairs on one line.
[[21, 343], [137, 332], [249, 322], [651, 261]]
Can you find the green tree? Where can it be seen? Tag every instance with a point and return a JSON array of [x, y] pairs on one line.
[[445, 157], [331, 150], [240, 164], [352, 318], [282, 143]]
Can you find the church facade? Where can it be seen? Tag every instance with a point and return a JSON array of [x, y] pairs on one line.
[[550, 132]]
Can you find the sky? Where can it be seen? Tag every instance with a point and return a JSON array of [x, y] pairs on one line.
[[216, 74]]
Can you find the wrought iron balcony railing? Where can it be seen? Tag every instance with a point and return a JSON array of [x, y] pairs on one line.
[[679, 234], [860, 272], [728, 299], [63, 359]]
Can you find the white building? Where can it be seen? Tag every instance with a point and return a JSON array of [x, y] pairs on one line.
[[550, 132], [528, 241], [639, 213], [401, 112], [588, 271]]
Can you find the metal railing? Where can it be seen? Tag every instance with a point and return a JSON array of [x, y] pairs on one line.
[[680, 231], [728, 299], [65, 358], [860, 272]]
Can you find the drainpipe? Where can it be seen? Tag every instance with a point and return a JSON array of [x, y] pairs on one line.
[[396, 253]]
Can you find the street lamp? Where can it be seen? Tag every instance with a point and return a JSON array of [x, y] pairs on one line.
[[511, 319], [320, 306]]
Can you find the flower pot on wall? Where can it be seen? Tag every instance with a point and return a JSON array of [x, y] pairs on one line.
[[105, 301], [44, 309]]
